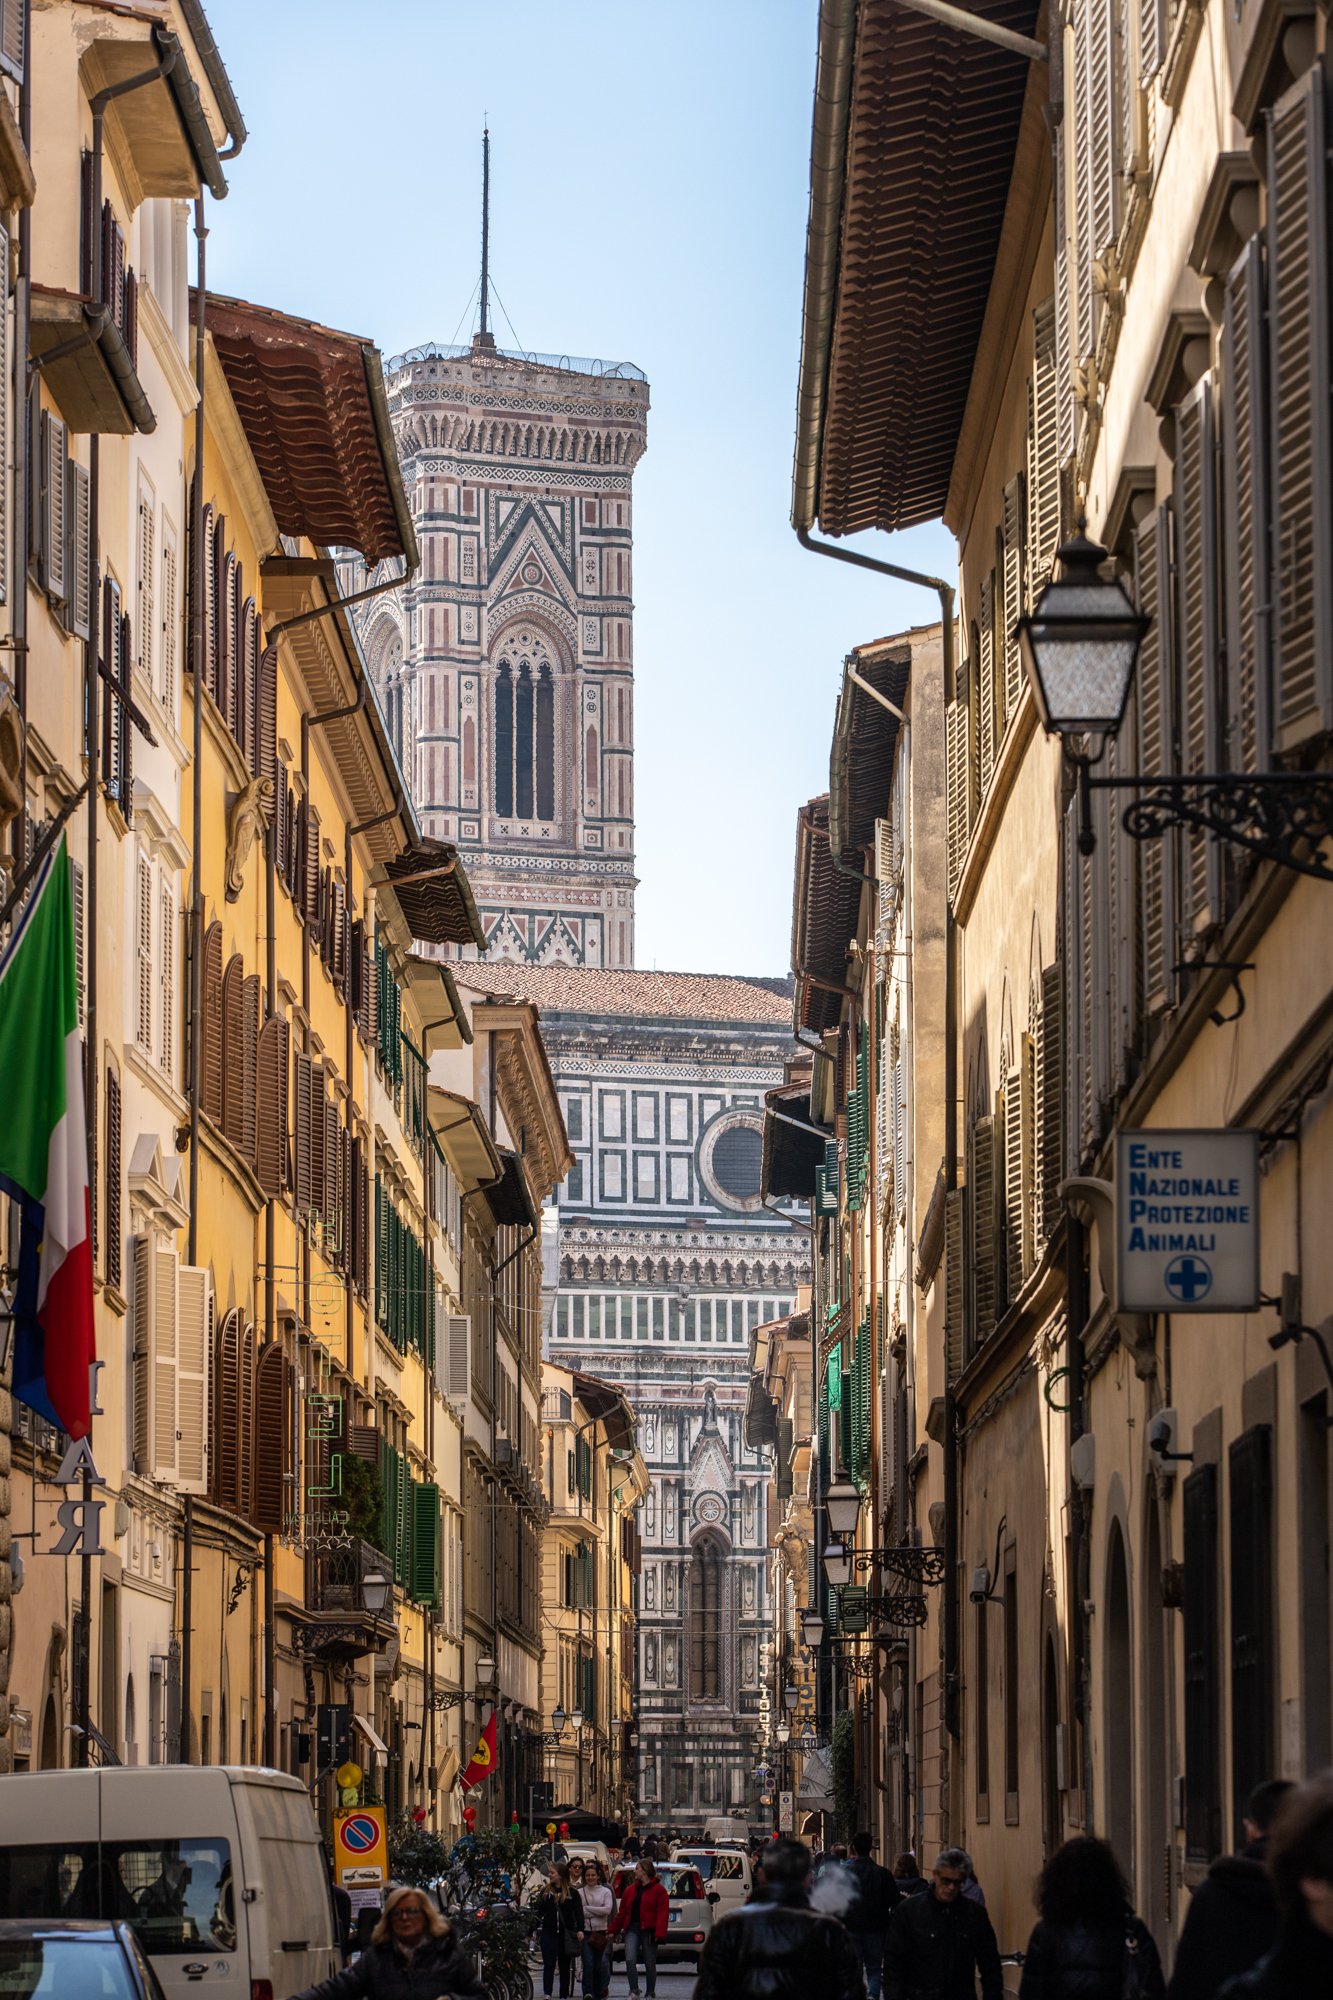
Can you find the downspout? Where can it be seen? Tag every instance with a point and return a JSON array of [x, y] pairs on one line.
[[1076, 1319], [952, 1621], [23, 388]]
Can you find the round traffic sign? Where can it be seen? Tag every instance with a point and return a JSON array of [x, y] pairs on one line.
[[359, 1833]]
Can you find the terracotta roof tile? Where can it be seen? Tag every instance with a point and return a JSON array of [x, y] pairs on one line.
[[576, 989]]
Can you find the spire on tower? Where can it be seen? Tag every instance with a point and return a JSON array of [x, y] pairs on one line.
[[485, 338]]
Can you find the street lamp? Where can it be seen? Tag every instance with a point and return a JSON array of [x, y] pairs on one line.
[[1079, 644], [576, 1719], [791, 1697], [485, 1670], [838, 1565], [842, 1504], [558, 1721], [812, 1628], [376, 1590]]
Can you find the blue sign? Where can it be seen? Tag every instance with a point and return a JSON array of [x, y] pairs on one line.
[[1187, 1221]]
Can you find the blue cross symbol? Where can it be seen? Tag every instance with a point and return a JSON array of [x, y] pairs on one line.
[[1188, 1279]]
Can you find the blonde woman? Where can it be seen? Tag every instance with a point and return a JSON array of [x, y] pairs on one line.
[[412, 1951]]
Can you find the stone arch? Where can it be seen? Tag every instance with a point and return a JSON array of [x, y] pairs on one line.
[[1118, 1700]]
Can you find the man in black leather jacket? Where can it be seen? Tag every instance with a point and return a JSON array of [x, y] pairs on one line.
[[939, 1943], [776, 1947]]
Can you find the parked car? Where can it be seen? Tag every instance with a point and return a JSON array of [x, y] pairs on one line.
[[40, 1958], [219, 1871], [726, 1870], [691, 1912]]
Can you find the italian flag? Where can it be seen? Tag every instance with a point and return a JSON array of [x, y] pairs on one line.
[[44, 1153]]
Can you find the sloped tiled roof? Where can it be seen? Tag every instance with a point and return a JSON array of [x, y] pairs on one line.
[[577, 989]]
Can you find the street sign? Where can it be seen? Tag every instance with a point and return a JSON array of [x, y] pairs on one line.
[[786, 1812], [359, 1848], [1187, 1221]]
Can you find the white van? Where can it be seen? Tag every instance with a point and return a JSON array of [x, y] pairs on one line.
[[726, 1871], [220, 1870]]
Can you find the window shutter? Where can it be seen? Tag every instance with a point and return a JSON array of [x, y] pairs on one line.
[[1150, 37], [53, 479], [426, 1546], [146, 984], [1043, 480], [272, 1070], [79, 559], [163, 1358], [209, 583], [1050, 1086], [1299, 372], [988, 692], [226, 1456], [318, 1141], [1203, 1667], [245, 1425], [1082, 173], [282, 826], [251, 1003], [338, 937], [956, 749], [1253, 1676], [169, 636], [167, 988], [1094, 155], [1076, 972], [1012, 594], [331, 1206], [1245, 495], [11, 38], [233, 1050], [76, 884], [272, 1452], [982, 1205], [112, 738], [1197, 696], [210, 1026], [402, 1546], [1019, 1139], [147, 598], [304, 1085], [124, 727], [4, 420], [146, 1273], [266, 715], [218, 650], [113, 1140], [194, 1344], [1156, 858], [953, 1282], [310, 892]]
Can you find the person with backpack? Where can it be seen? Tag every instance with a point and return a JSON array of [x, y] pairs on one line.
[[1088, 1945]]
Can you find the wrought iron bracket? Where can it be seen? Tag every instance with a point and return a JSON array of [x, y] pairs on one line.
[[1282, 816], [914, 1565]]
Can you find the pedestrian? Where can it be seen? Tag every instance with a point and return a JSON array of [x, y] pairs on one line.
[[1300, 1860], [559, 1928], [938, 1944], [633, 1847], [776, 1947], [642, 1920], [650, 1848], [1088, 1945], [412, 1952], [907, 1876], [875, 1896], [599, 1906], [1232, 1918], [972, 1889]]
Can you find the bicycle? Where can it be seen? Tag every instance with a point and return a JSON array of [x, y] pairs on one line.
[[1015, 1959]]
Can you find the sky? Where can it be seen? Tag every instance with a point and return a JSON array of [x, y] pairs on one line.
[[649, 191]]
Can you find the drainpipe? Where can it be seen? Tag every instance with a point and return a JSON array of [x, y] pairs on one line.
[[18, 595], [952, 1619], [269, 1749], [1076, 1319]]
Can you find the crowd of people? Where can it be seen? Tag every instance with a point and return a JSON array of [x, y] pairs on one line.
[[839, 1926]]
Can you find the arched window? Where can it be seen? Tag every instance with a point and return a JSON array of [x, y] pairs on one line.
[[525, 730], [706, 1622]]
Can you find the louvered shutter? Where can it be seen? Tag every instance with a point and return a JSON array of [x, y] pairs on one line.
[[1150, 37], [124, 727], [310, 904], [899, 1092], [80, 557], [144, 1267], [245, 1423], [304, 1093], [164, 1352], [1075, 972], [1062, 316], [402, 1549], [233, 1050], [170, 633], [426, 1546], [988, 720], [266, 717], [147, 612], [53, 481], [1012, 593], [1050, 1086], [210, 1026], [202, 567], [226, 1455], [76, 886], [145, 983], [272, 1070], [282, 826], [1019, 1137], [1156, 858], [338, 938], [318, 1140], [272, 1452], [166, 997], [11, 38], [981, 1202], [1084, 38], [1203, 1667], [218, 651], [113, 1155], [251, 1003], [1043, 476], [956, 749], [1198, 697], [1095, 155], [226, 643], [112, 734], [953, 1282], [331, 1206], [1245, 512], [1300, 368]]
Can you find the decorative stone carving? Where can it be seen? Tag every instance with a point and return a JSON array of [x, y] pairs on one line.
[[248, 819]]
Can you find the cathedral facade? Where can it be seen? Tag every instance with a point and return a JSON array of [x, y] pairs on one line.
[[667, 1262], [505, 665]]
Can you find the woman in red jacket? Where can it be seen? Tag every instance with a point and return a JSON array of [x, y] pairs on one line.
[[642, 1917]]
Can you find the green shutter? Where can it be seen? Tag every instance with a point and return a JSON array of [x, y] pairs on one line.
[[402, 1547], [426, 1545], [388, 1536]]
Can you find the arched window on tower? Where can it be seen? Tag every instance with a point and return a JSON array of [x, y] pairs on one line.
[[525, 731], [706, 1677]]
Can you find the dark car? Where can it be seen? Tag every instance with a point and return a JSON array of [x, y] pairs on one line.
[[90, 1959]]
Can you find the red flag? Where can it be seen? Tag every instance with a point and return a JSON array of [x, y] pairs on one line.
[[483, 1757]]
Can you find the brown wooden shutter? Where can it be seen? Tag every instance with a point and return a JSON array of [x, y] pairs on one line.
[[304, 1092], [1019, 1140], [362, 1184], [988, 718], [218, 649], [282, 825], [225, 1482], [318, 1140], [1300, 369], [338, 938], [1050, 1086], [80, 552], [956, 790], [272, 1069], [233, 1051], [1156, 858], [251, 1003], [1011, 581], [1197, 695], [210, 1026], [205, 576], [331, 1206], [273, 1441], [246, 1423], [310, 892], [266, 718], [982, 1219], [953, 1282], [1245, 494], [113, 1141]]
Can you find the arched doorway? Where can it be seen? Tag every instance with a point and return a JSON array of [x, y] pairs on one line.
[[49, 1755], [1158, 1762], [1052, 1815], [1118, 1706], [131, 1740]]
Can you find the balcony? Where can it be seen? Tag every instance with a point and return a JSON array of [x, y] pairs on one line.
[[338, 1622]]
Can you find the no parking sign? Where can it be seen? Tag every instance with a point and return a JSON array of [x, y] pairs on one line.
[[359, 1849]]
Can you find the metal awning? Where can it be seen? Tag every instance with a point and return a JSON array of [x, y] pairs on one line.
[[461, 1130], [509, 1200], [163, 128], [792, 1152], [432, 890], [864, 736], [602, 1399], [760, 1426], [89, 370], [371, 1734], [825, 905], [916, 129]]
